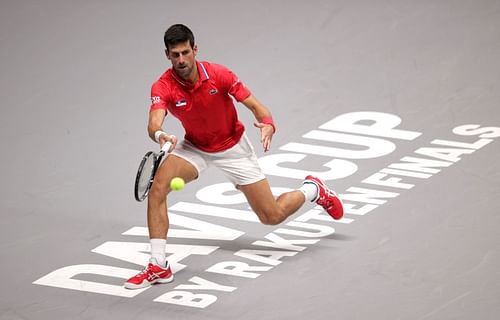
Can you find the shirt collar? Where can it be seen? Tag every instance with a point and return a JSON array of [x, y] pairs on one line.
[[202, 72]]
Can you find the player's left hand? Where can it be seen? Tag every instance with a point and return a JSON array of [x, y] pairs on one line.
[[266, 134]]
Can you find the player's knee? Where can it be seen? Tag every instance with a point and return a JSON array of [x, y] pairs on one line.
[[158, 192], [269, 217]]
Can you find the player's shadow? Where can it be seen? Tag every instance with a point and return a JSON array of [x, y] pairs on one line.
[[341, 237], [247, 242]]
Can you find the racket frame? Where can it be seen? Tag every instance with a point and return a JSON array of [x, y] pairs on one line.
[[156, 163]]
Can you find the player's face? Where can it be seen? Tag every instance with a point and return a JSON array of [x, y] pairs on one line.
[[182, 57]]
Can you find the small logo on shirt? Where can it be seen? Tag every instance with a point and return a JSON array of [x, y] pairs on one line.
[[181, 103], [155, 100], [213, 91]]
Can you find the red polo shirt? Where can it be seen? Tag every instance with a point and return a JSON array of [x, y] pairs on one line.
[[205, 109]]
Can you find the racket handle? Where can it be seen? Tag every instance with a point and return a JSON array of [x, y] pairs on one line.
[[166, 146]]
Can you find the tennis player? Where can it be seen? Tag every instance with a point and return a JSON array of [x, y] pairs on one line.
[[198, 93]]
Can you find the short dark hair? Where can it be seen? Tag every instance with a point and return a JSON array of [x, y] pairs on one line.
[[176, 34]]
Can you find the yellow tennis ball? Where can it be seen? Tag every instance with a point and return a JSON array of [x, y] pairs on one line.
[[177, 184]]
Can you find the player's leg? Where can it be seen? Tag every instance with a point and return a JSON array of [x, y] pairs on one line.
[[182, 163], [241, 166], [268, 209], [172, 167], [271, 211]]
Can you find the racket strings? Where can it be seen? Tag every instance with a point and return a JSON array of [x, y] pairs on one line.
[[146, 175]]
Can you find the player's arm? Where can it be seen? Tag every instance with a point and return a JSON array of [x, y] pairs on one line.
[[264, 120], [155, 130]]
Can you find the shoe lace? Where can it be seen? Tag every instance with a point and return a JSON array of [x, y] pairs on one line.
[[146, 271]]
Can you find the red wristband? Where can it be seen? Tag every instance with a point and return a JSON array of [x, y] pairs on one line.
[[269, 121]]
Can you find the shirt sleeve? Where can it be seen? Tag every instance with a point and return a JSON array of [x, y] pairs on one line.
[[158, 97], [231, 84]]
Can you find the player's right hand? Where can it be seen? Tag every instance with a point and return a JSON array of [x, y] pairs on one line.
[[168, 137]]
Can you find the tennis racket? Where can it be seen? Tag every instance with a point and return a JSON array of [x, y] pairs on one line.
[[146, 172]]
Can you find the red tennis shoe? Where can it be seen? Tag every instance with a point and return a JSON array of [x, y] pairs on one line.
[[152, 274], [327, 198]]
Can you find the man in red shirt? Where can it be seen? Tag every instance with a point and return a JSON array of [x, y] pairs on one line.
[[199, 95]]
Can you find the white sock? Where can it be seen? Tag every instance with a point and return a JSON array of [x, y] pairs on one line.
[[158, 250], [309, 190]]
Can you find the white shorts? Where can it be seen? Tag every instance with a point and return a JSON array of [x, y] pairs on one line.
[[239, 163]]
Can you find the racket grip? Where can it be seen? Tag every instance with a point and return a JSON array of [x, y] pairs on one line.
[[166, 146]]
